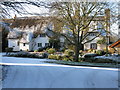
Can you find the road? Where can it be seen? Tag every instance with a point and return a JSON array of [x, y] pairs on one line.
[[32, 73]]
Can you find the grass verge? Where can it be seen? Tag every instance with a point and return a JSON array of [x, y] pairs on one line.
[[110, 65]]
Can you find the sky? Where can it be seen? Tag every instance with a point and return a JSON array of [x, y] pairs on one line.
[[29, 8], [41, 10]]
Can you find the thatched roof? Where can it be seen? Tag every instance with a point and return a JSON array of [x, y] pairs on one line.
[[22, 22], [14, 34], [5, 26], [24, 38]]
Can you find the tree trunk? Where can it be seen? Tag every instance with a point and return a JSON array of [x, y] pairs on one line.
[[76, 53], [77, 49]]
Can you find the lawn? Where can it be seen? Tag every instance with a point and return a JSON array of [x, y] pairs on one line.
[[111, 65]]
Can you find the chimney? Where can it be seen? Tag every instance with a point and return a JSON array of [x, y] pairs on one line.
[[15, 17], [107, 14], [107, 20]]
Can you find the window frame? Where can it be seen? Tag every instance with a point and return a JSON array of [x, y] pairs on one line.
[[24, 44], [42, 35], [93, 45], [46, 44], [39, 44], [18, 43]]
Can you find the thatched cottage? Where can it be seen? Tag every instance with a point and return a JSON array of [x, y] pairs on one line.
[[30, 33]]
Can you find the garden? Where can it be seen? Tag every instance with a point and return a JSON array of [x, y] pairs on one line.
[[67, 56]]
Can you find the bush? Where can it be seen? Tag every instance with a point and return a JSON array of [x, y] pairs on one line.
[[45, 55], [40, 49], [59, 57], [36, 51], [52, 57], [62, 49], [68, 58], [21, 54], [100, 52], [89, 55], [94, 51], [47, 49], [102, 60], [90, 50], [51, 51], [89, 59], [81, 53], [69, 52], [109, 52], [8, 49], [25, 54]]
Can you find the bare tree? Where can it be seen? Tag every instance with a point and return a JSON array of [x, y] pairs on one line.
[[77, 18], [20, 7]]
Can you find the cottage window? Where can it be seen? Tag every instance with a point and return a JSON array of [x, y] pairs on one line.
[[23, 44], [92, 34], [43, 35], [93, 46], [39, 44], [18, 43], [46, 44]]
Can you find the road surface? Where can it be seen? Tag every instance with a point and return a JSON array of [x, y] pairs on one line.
[[32, 73]]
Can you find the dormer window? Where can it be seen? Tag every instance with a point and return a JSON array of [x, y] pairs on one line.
[[92, 34], [43, 35]]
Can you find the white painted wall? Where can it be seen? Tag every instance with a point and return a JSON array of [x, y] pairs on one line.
[[24, 48], [87, 45], [42, 40], [14, 44], [101, 46], [28, 46], [27, 39]]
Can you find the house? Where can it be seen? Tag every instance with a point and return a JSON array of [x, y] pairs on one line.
[[108, 38], [26, 41], [23, 36]]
